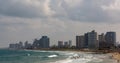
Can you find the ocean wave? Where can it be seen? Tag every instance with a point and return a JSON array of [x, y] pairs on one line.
[[63, 61], [51, 56], [74, 58], [82, 58]]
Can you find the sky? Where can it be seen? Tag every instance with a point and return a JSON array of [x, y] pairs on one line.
[[22, 20]]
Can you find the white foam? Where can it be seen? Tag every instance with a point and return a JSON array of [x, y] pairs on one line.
[[28, 54], [63, 61], [71, 53], [51, 56], [80, 60], [75, 55], [88, 56]]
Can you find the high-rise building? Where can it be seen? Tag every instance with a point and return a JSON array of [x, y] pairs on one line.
[[60, 44], [86, 40], [66, 44], [35, 44], [16, 45], [70, 43], [102, 42], [44, 42], [28, 45], [110, 38], [92, 40], [101, 37], [20, 45], [13, 46], [79, 41]]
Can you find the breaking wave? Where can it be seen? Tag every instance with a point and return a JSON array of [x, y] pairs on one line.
[[51, 56]]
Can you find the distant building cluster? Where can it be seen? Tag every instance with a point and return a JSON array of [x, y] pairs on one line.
[[66, 44], [92, 40], [41, 43], [16, 45]]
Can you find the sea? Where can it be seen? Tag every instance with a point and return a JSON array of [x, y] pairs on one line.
[[40, 56]]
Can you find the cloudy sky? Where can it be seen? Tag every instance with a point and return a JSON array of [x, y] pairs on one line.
[[22, 20]]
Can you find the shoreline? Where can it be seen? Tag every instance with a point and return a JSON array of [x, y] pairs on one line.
[[116, 56], [74, 50]]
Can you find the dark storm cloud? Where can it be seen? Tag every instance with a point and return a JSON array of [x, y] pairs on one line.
[[19, 8], [87, 11], [76, 10]]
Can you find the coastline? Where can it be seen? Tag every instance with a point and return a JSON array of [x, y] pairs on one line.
[[116, 56], [110, 54], [113, 55], [74, 50]]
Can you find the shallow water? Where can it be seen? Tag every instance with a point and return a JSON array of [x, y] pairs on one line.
[[37, 56]]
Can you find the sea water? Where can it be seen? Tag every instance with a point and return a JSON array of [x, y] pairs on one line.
[[39, 56]]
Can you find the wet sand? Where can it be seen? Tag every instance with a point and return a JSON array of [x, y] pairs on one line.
[[116, 56]]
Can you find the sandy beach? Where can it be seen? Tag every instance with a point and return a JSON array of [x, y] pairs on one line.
[[116, 56]]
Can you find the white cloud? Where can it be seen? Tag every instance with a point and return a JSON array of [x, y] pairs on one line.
[[73, 3], [113, 11], [47, 10], [79, 10], [112, 6]]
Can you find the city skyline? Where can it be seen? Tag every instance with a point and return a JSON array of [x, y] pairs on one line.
[[22, 20], [93, 40], [90, 40]]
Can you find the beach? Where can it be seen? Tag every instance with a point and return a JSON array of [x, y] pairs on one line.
[[116, 56]]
